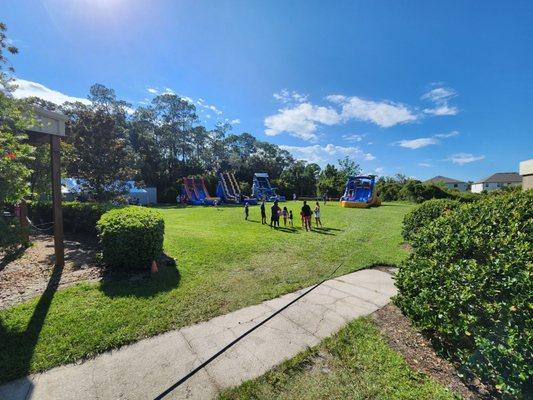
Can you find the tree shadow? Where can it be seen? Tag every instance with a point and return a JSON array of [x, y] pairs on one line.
[[17, 347], [12, 255], [143, 283]]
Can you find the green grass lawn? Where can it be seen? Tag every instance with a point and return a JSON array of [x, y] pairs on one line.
[[356, 363], [224, 263]]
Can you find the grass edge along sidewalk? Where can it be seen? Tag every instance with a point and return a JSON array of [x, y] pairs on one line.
[[355, 363], [81, 321]]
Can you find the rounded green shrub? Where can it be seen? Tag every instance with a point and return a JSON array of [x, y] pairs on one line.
[[131, 237], [468, 284], [11, 234], [425, 213]]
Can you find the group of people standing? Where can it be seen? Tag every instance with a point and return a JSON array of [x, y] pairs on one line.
[[276, 212]]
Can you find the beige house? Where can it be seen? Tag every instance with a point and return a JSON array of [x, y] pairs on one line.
[[526, 171], [450, 183], [497, 181]]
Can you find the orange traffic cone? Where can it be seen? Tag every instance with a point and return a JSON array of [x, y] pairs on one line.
[[154, 267]]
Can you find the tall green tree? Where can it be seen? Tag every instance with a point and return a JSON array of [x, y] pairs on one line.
[[101, 158], [15, 154]]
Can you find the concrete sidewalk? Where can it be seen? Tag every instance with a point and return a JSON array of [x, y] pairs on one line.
[[145, 369]]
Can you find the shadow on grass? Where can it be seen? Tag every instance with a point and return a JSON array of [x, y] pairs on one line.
[[325, 231], [17, 347], [142, 284], [287, 229]]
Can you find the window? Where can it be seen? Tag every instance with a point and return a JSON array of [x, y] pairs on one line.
[[455, 185]]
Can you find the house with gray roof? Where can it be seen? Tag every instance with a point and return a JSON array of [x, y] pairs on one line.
[[497, 181], [450, 183]]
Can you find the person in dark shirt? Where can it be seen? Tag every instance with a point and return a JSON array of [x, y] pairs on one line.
[[246, 211], [274, 218], [306, 214], [263, 213]]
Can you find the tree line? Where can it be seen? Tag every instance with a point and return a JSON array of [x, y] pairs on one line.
[[109, 142]]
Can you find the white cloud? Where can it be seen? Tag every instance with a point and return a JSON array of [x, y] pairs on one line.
[[379, 170], [425, 141], [288, 97], [353, 138], [447, 135], [417, 143], [152, 90], [425, 165], [464, 158], [327, 154], [202, 103], [382, 113], [440, 96], [300, 121], [28, 89], [444, 109], [235, 121]]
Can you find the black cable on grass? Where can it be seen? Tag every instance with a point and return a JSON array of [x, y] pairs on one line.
[[229, 345]]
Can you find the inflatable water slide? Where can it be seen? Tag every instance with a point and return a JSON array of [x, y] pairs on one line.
[[261, 188], [360, 192], [229, 191], [195, 192]]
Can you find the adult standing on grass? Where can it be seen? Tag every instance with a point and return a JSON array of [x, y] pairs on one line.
[[263, 213], [317, 215], [274, 218], [306, 215]]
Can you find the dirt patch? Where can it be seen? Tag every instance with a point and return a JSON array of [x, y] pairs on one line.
[[407, 247], [28, 275], [420, 356]]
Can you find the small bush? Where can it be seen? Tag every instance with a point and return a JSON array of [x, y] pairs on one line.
[[78, 217], [468, 284], [424, 214], [131, 237], [11, 234]]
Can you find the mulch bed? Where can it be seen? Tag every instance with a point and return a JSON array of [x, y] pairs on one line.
[[419, 354], [28, 275]]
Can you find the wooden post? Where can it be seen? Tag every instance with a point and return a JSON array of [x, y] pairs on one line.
[[55, 155]]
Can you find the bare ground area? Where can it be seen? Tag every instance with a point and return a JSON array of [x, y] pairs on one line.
[[29, 274], [419, 354]]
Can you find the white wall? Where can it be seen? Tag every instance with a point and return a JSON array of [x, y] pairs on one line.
[[489, 187]]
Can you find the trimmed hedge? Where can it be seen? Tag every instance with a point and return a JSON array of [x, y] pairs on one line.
[[424, 214], [468, 284], [131, 237], [78, 217]]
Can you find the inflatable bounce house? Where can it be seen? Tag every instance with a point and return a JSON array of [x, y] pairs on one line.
[[261, 188], [229, 191], [360, 192], [195, 192]]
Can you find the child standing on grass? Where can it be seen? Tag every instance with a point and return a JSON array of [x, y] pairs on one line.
[[290, 219], [285, 215], [246, 211], [317, 215], [263, 213]]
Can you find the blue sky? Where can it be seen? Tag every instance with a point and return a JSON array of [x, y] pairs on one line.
[[422, 88]]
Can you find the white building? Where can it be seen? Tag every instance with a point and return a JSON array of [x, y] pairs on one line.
[[497, 181], [450, 183], [526, 170]]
